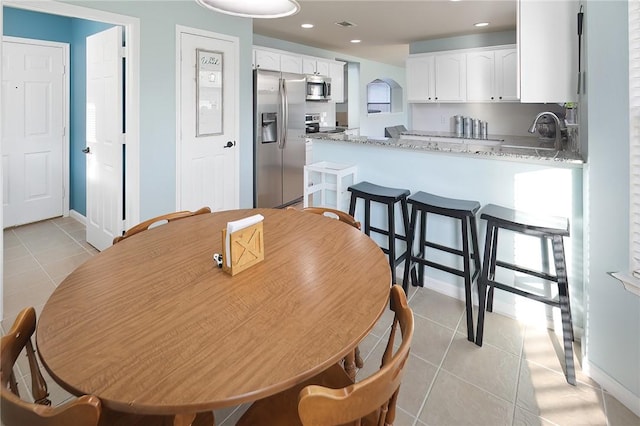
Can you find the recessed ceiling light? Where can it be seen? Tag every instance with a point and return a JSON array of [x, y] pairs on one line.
[[307, 25], [356, 41], [481, 24]]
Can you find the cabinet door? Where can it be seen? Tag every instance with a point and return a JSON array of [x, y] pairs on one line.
[[291, 63], [506, 72], [451, 79], [308, 65], [336, 72], [548, 51], [322, 68], [420, 79], [267, 60], [480, 76]]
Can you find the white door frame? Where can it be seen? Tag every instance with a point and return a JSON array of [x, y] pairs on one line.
[[183, 29], [66, 99], [132, 93]]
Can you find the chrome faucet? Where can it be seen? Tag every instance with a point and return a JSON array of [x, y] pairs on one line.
[[558, 142]]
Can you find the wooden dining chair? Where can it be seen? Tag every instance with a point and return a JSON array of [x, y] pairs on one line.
[[336, 214], [165, 218], [331, 399], [86, 410], [353, 359], [83, 411]]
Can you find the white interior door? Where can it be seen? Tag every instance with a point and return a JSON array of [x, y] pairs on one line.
[[33, 117], [207, 169], [105, 137]]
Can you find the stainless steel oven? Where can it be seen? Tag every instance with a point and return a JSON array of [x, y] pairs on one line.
[[312, 123]]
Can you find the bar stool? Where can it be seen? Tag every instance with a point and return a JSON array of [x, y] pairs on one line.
[[389, 196], [422, 204], [547, 229]]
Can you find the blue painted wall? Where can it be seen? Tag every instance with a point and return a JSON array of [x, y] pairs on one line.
[[41, 26]]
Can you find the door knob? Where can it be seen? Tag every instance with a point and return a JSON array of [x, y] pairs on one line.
[[230, 144], [87, 150]]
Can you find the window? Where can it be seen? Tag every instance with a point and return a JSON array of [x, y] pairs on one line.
[[378, 97], [634, 131], [632, 282], [384, 95]]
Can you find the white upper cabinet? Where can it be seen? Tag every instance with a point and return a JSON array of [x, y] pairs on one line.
[[480, 76], [266, 59], [315, 66], [451, 77], [492, 75], [421, 79], [548, 43], [336, 72], [506, 66], [290, 63]]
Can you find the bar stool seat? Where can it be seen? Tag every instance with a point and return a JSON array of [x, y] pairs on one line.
[[388, 196], [547, 229], [422, 204]]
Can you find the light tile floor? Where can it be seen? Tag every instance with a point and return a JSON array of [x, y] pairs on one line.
[[515, 379]]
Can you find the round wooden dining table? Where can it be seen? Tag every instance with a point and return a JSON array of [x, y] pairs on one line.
[[152, 325]]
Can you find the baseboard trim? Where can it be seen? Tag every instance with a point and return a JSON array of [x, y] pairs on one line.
[[612, 386], [77, 216]]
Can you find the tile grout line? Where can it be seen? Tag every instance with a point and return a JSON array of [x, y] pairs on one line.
[[439, 368], [515, 394], [35, 259], [74, 240]]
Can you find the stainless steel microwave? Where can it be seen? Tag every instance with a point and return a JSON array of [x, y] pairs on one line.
[[318, 88]]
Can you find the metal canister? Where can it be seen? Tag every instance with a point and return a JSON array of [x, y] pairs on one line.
[[458, 124], [484, 130], [468, 127], [476, 128]]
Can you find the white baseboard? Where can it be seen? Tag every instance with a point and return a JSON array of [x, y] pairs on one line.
[[610, 385], [77, 216]]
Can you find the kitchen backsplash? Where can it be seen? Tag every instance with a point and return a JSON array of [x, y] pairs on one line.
[[504, 118]]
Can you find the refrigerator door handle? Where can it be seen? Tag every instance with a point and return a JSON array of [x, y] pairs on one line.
[[280, 113], [285, 109]]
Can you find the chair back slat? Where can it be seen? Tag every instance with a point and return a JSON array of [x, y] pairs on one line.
[[375, 395], [158, 220]]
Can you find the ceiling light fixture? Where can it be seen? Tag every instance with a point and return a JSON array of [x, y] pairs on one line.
[[481, 24], [253, 8], [356, 41], [307, 25]]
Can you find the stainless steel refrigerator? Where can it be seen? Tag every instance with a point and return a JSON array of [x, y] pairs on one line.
[[279, 137]]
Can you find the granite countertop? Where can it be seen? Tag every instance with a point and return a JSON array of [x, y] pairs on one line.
[[499, 147]]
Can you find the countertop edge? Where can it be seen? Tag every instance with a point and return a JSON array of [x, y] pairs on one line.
[[557, 159]]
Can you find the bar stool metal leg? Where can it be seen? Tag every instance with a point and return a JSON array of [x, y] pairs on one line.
[[483, 281], [467, 278], [565, 309]]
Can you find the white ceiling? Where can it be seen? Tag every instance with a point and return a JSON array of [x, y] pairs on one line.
[[386, 27]]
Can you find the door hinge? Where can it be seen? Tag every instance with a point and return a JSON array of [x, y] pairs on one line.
[[123, 51]]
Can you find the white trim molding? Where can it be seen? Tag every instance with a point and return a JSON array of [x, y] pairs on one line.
[[611, 386]]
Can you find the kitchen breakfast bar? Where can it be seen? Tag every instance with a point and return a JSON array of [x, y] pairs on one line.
[[513, 172]]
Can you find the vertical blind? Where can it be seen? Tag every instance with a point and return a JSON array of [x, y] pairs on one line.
[[634, 133]]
